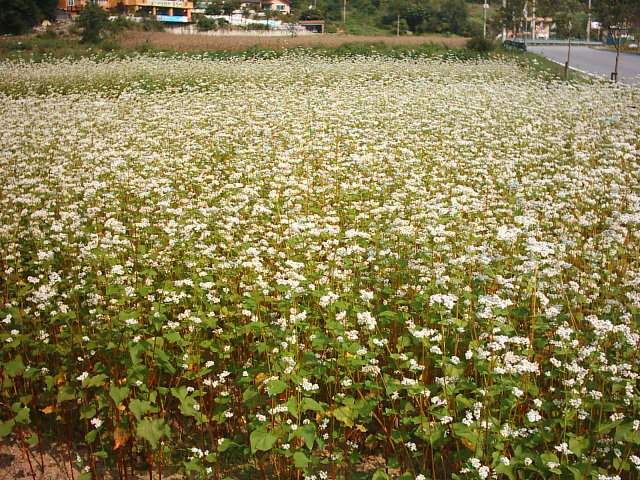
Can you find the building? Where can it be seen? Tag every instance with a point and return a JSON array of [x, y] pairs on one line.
[[542, 28], [280, 6], [170, 11], [314, 26]]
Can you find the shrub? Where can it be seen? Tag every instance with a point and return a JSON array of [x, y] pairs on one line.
[[480, 45], [205, 24], [122, 23], [93, 20], [151, 25]]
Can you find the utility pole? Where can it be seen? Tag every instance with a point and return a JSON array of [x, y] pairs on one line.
[[484, 26], [344, 12], [533, 21], [504, 23], [398, 26], [589, 23], [566, 65]]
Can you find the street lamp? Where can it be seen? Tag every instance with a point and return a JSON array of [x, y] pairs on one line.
[[484, 28], [589, 23]]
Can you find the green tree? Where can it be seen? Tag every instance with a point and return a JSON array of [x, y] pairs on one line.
[[229, 6], [311, 14], [205, 24], [428, 15], [570, 19], [47, 8], [20, 16], [214, 8], [93, 20], [615, 15], [453, 16]]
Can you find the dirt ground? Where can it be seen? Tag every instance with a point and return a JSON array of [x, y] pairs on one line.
[[15, 466], [195, 42]]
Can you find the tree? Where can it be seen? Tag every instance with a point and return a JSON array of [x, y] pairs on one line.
[[428, 15], [205, 24], [20, 16], [311, 14], [511, 15], [47, 8], [214, 8], [569, 16], [453, 16], [615, 15], [229, 6], [92, 20]]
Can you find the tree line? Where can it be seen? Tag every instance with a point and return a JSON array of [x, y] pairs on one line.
[[415, 16], [20, 16]]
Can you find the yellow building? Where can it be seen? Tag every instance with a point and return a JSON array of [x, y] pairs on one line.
[[170, 11]]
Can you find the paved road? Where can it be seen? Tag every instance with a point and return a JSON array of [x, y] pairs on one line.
[[597, 62]]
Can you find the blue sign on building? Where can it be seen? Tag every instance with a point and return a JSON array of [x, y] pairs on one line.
[[172, 18]]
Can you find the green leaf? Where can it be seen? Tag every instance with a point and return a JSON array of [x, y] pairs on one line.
[[310, 404], [380, 475], [139, 408], [507, 470], [577, 473], [262, 440], [292, 405], [6, 427], [225, 445], [274, 387], [308, 434], [14, 367], [578, 445], [23, 415], [67, 392], [344, 415], [249, 394], [153, 430], [118, 394], [469, 437], [32, 440], [87, 412], [300, 460], [95, 381], [91, 435]]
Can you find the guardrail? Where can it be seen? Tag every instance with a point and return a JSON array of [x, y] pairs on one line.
[[522, 44]]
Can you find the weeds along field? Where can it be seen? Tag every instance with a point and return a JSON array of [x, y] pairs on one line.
[[285, 268], [202, 42]]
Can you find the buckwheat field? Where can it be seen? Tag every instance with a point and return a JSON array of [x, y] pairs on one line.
[[314, 268]]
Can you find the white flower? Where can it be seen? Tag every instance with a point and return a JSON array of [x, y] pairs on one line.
[[96, 422], [534, 416]]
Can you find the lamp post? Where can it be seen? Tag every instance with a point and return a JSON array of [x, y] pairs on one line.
[[566, 65], [589, 23], [504, 24], [484, 26], [533, 21]]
